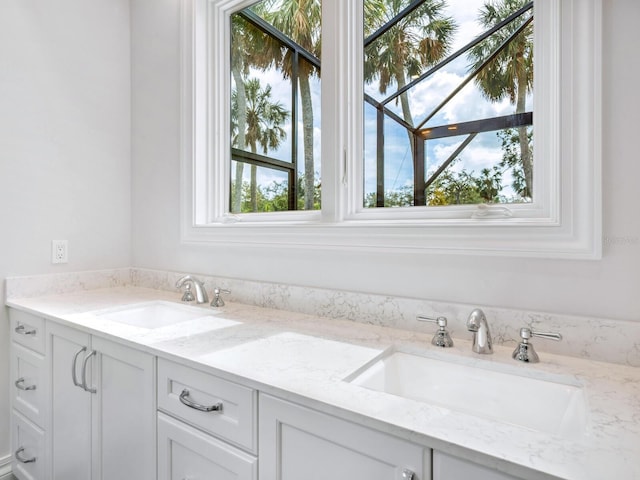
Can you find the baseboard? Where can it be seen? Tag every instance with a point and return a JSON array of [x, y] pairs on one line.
[[5, 468]]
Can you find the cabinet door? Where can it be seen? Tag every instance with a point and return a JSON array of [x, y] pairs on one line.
[[184, 452], [70, 429], [124, 413], [297, 442], [446, 467]]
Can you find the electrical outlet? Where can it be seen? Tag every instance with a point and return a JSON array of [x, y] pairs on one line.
[[59, 251]]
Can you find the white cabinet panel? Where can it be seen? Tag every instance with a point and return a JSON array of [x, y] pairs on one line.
[[28, 444], [103, 408], [236, 419], [297, 442], [27, 330], [29, 383], [446, 467], [123, 413], [70, 430], [187, 453]]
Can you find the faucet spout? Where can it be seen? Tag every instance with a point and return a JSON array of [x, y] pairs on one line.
[[201, 293], [477, 323]]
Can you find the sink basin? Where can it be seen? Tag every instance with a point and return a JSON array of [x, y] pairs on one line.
[[153, 315], [552, 405]]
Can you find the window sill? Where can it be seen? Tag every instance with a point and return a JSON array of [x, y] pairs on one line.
[[508, 237]]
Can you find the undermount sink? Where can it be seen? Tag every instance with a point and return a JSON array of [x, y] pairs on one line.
[[552, 405], [155, 314]]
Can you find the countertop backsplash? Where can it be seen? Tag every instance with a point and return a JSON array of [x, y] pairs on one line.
[[608, 340]]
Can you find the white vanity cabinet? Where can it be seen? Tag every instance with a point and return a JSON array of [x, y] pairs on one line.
[[86, 408], [224, 444], [102, 408], [297, 442]]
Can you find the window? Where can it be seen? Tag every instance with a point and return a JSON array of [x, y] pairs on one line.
[[448, 102], [560, 217], [275, 111]]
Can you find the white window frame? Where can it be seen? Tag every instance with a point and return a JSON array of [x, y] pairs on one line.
[[564, 221]]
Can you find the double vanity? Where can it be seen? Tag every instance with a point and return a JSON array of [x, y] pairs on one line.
[[129, 382]]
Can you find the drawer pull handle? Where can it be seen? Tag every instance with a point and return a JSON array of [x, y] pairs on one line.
[[22, 330], [20, 384], [184, 399], [408, 475], [21, 459], [84, 372], [73, 367]]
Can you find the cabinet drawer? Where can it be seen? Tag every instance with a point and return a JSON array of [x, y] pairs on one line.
[[446, 467], [27, 444], [184, 452], [234, 421], [27, 330], [28, 383]]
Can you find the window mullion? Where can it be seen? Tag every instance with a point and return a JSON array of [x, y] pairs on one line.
[[341, 108]]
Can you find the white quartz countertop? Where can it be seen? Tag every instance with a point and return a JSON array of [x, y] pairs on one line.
[[306, 359]]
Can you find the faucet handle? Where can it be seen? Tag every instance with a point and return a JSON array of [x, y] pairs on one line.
[[442, 337], [527, 333], [524, 352], [217, 299], [188, 294]]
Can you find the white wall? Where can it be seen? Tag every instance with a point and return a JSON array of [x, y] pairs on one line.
[[600, 288], [64, 143]]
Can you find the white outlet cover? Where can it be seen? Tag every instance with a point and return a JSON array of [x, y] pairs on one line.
[[59, 251]]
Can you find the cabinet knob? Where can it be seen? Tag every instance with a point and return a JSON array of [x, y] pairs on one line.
[[407, 474]]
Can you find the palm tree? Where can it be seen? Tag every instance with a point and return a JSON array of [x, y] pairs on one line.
[[419, 40], [239, 69], [510, 74], [264, 120], [300, 20]]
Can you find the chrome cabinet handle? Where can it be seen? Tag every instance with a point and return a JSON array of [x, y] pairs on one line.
[[20, 384], [84, 372], [21, 329], [21, 459], [407, 474], [73, 367], [184, 399]]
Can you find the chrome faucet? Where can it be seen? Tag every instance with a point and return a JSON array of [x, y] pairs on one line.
[[441, 337], [217, 299], [187, 281], [477, 323], [524, 352]]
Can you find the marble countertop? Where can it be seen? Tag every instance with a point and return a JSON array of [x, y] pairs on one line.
[[306, 359]]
